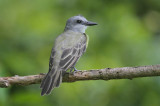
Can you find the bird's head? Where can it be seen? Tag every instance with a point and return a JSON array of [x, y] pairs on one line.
[[78, 24]]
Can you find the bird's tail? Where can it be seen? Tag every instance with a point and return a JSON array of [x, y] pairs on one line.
[[50, 81]]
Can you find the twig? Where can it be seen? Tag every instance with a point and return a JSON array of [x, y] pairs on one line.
[[99, 74]]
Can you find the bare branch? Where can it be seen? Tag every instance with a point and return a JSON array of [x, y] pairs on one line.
[[99, 74]]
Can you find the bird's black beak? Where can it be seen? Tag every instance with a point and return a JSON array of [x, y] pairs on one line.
[[89, 23]]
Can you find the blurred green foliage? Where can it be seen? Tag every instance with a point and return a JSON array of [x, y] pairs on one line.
[[128, 34]]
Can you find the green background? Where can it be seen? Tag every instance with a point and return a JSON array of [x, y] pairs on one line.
[[128, 34]]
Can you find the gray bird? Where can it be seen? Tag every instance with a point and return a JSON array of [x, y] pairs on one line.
[[68, 48]]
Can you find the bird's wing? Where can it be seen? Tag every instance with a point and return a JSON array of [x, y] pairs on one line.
[[71, 55], [51, 59]]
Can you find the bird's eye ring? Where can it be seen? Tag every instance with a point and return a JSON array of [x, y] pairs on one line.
[[79, 21]]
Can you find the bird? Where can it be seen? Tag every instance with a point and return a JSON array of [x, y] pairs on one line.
[[68, 48]]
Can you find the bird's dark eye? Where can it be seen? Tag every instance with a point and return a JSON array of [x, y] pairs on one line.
[[79, 21]]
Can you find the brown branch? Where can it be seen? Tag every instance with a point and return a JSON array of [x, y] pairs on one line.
[[99, 74]]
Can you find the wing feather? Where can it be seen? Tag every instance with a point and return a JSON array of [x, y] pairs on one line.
[[72, 55], [51, 59]]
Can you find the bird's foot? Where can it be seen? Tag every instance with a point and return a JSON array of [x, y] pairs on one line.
[[75, 70]]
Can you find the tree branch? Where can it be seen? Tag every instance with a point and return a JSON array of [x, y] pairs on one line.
[[99, 74]]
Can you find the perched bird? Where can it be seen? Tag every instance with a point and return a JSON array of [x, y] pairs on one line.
[[68, 48]]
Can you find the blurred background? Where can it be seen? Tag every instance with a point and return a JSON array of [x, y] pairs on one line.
[[128, 34]]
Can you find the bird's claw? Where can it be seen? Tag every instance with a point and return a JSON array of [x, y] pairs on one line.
[[75, 70]]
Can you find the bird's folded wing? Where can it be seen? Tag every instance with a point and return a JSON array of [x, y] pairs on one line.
[[71, 55], [51, 59]]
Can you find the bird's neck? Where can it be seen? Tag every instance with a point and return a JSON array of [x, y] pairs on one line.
[[76, 29], [72, 31]]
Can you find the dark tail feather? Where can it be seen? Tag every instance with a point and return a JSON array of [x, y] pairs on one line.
[[43, 81], [49, 82], [59, 81], [55, 84]]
